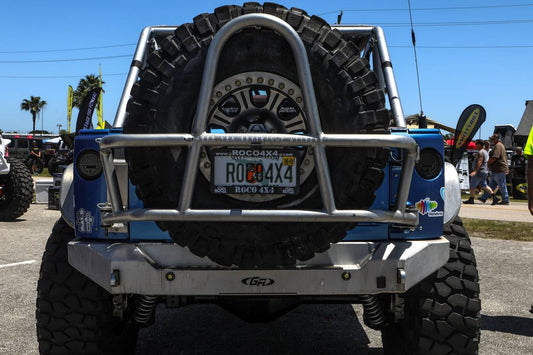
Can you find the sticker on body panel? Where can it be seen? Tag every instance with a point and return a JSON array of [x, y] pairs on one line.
[[84, 221], [428, 207]]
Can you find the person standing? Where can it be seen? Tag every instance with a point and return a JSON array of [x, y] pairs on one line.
[[518, 163], [35, 156], [499, 169], [478, 176]]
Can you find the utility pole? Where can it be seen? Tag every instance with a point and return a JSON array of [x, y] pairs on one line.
[[59, 125]]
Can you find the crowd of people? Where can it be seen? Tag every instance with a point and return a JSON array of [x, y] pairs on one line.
[[491, 168]]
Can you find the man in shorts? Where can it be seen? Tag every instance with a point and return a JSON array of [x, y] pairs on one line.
[[478, 176]]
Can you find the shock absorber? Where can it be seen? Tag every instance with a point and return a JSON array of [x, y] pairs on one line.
[[374, 316], [144, 309]]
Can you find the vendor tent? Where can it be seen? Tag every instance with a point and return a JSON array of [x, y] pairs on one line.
[[506, 133], [471, 145], [524, 127], [53, 140]]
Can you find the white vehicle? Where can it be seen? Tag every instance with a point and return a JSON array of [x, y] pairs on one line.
[[16, 185]]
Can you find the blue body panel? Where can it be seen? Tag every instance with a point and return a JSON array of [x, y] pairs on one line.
[[426, 195], [89, 193], [144, 230]]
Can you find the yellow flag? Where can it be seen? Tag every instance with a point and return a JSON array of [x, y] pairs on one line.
[[69, 105], [100, 105]]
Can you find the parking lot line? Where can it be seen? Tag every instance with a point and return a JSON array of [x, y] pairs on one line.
[[17, 264]]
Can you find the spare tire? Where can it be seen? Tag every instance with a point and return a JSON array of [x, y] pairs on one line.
[[256, 89]]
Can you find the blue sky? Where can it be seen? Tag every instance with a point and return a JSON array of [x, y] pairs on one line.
[[487, 59]]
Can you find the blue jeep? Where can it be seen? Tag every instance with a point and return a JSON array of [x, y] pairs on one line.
[[259, 159]]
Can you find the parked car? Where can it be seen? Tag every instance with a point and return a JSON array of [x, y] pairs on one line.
[[62, 154], [20, 145]]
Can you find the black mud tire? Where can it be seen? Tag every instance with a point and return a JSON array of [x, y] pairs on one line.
[[52, 166], [164, 100], [39, 165], [442, 313], [74, 314], [17, 191]]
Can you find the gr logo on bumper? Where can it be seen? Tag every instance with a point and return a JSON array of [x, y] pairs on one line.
[[257, 281]]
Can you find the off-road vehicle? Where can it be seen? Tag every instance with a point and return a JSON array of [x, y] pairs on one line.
[[62, 154], [259, 160], [16, 185]]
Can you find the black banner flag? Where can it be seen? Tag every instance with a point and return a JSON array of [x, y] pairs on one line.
[[86, 110], [471, 119]]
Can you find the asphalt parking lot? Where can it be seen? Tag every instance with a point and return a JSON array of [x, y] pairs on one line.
[[506, 292]]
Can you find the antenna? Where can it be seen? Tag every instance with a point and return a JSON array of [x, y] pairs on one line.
[[422, 122]]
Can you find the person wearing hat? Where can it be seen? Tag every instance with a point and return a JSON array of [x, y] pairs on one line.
[[499, 169]]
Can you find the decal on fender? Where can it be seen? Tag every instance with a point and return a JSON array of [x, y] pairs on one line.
[[84, 221], [428, 207]]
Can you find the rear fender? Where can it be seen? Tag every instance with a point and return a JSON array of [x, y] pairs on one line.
[[66, 195], [452, 194]]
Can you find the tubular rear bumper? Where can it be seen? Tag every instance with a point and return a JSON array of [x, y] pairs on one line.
[[345, 269]]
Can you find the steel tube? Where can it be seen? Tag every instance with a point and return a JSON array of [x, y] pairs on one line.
[[318, 140], [261, 216], [144, 140], [237, 139], [354, 29], [112, 181], [386, 67], [405, 178], [138, 58], [305, 81], [392, 88], [245, 140]]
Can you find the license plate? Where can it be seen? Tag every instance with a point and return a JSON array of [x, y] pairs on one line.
[[254, 171]]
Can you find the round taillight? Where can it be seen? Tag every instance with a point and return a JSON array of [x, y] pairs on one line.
[[430, 164], [88, 164]]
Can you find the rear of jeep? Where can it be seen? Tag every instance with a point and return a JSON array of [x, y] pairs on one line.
[[254, 163]]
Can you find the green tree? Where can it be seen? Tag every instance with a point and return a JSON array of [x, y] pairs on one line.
[[85, 85], [33, 105]]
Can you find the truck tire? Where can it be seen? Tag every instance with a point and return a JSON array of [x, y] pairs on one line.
[[75, 315], [52, 166], [442, 313], [164, 100], [17, 191], [35, 165]]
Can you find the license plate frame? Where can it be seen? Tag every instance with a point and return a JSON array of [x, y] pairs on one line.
[[254, 171]]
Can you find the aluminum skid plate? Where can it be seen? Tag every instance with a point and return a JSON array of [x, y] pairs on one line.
[[345, 269]]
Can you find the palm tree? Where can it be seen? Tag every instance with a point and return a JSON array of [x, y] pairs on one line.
[[33, 105], [84, 86]]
